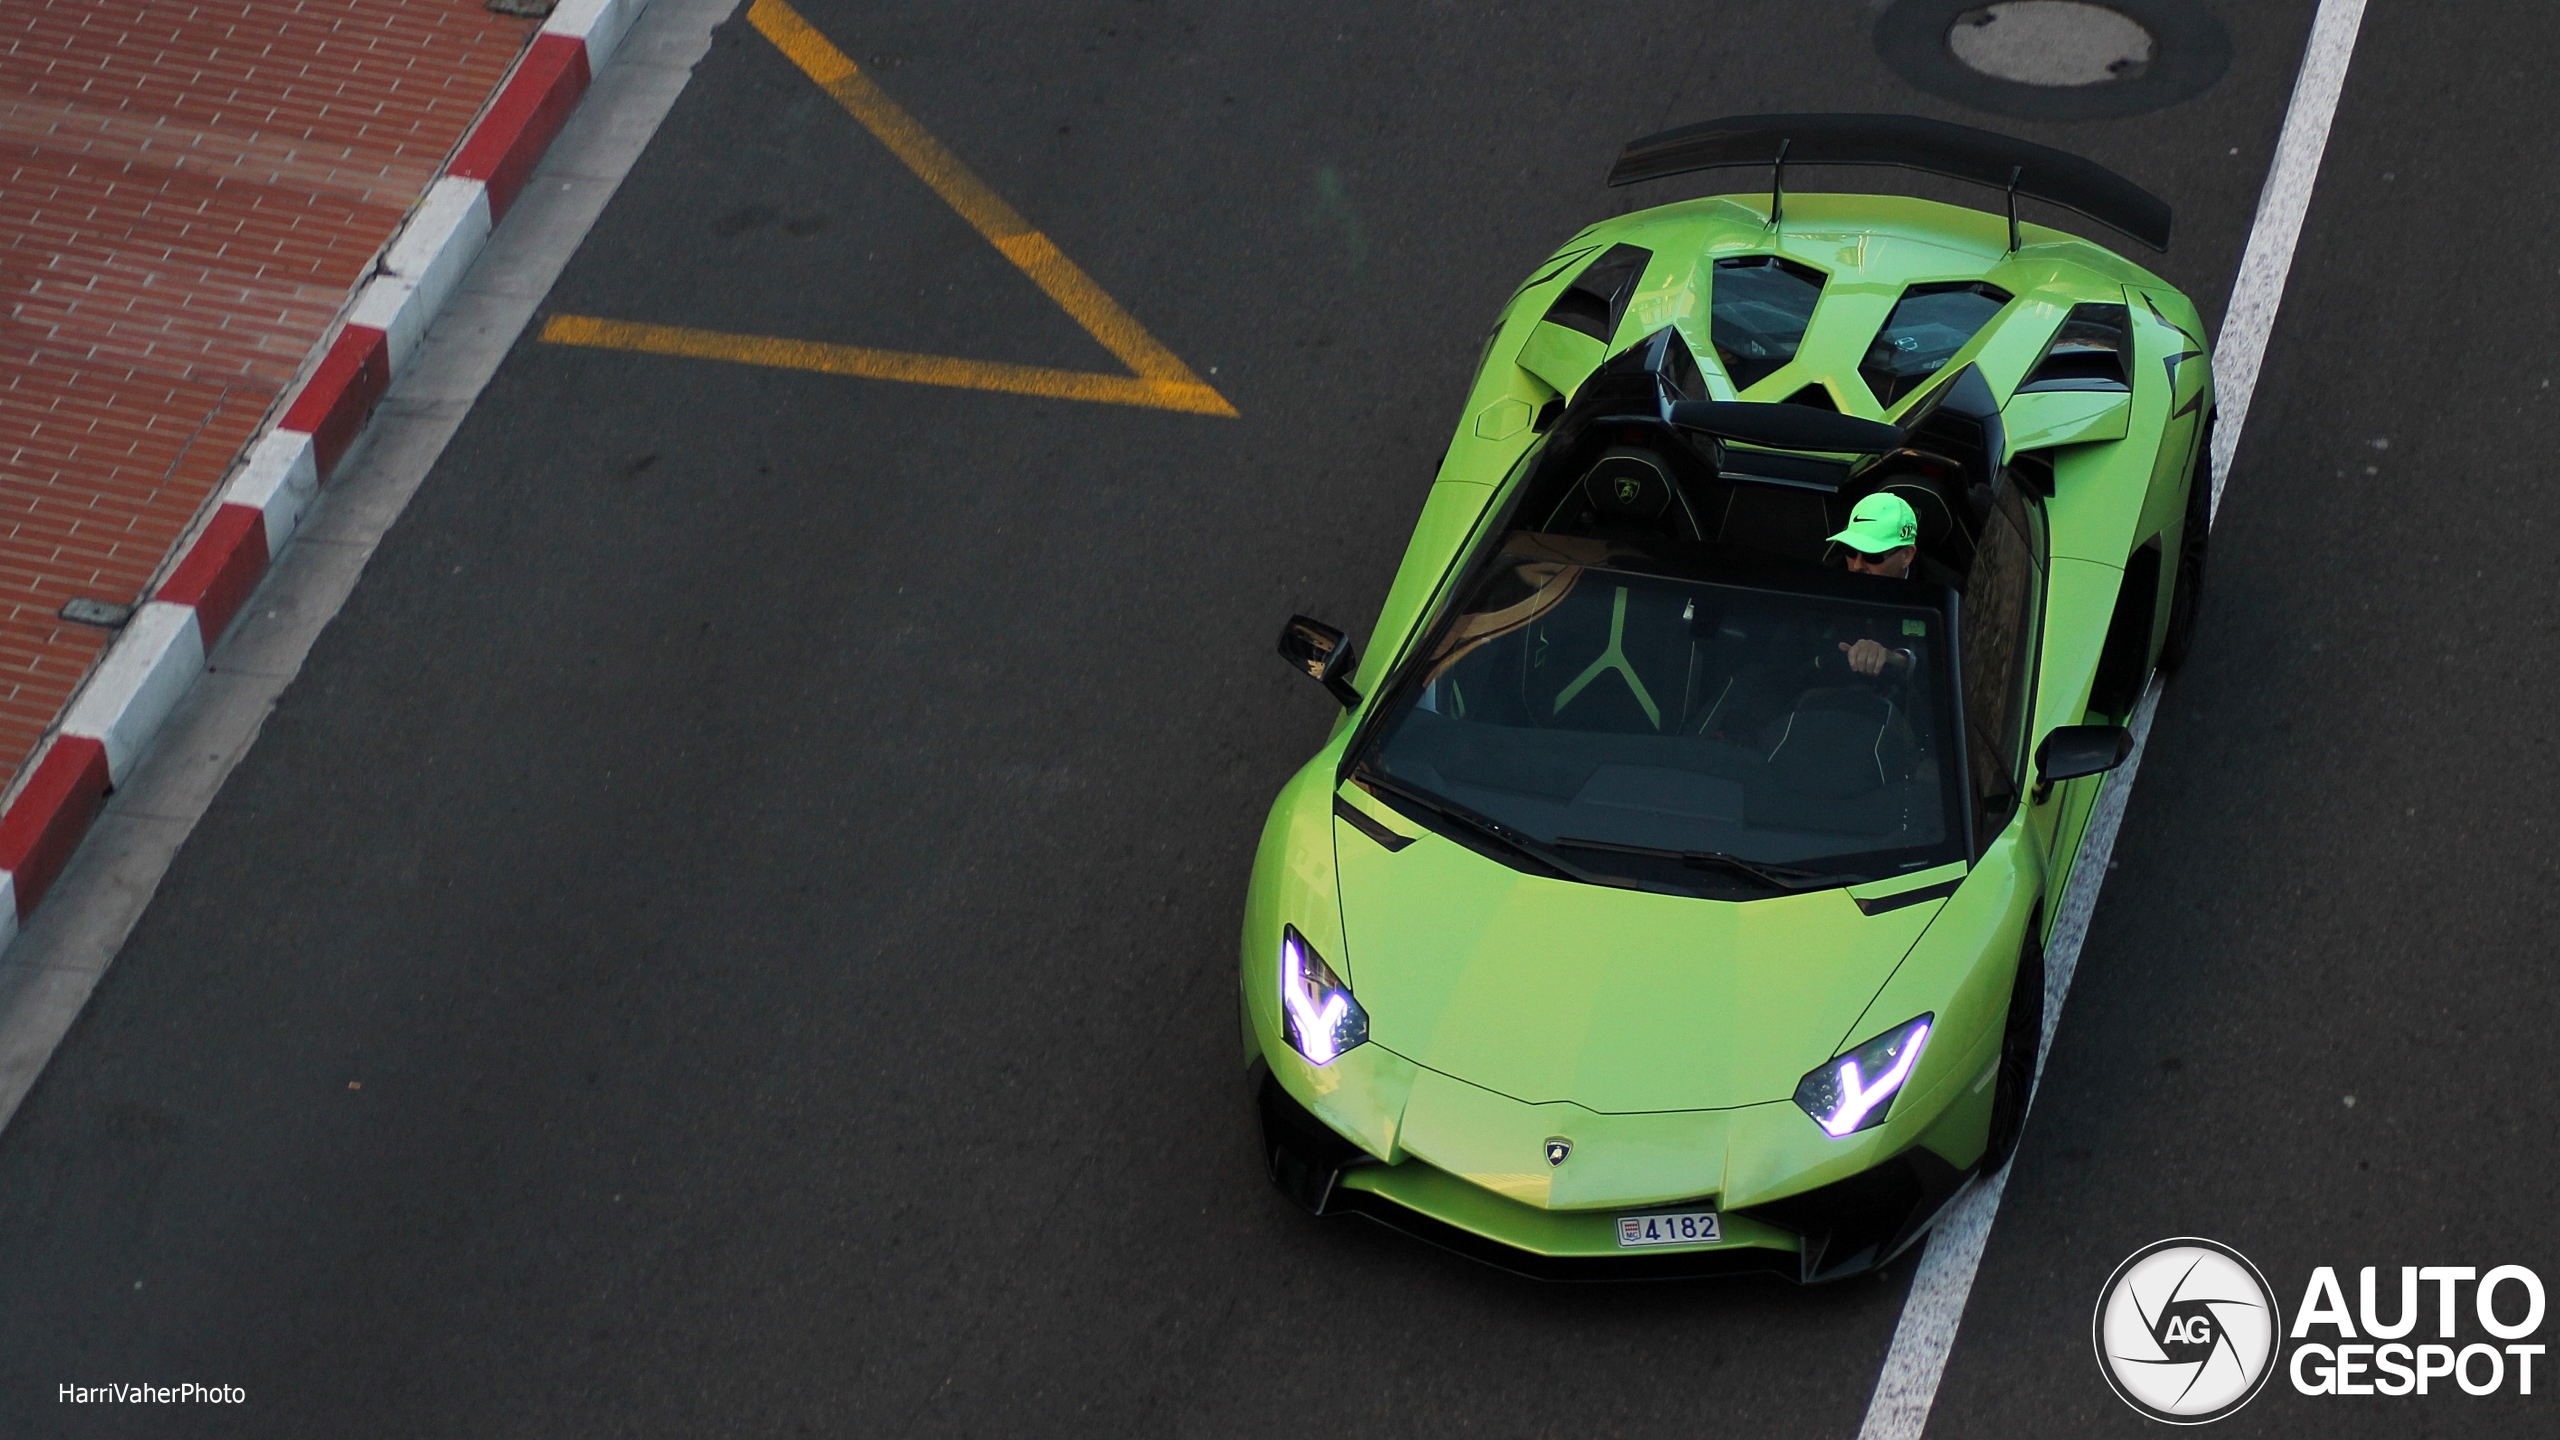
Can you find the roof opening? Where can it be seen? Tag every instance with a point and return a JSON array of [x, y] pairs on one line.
[[1759, 306], [2089, 352], [1929, 324]]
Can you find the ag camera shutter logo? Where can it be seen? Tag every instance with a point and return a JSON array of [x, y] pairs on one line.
[[2186, 1330]]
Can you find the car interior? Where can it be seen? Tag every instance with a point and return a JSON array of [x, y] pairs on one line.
[[1771, 731], [1633, 490]]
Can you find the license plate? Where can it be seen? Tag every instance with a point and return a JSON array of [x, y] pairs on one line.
[[1686, 1227]]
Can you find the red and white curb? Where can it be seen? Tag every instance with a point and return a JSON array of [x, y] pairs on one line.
[[120, 708]]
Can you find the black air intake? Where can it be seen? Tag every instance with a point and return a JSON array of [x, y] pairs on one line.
[[1597, 299]]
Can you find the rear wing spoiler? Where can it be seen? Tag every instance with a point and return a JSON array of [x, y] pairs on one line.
[[1908, 142]]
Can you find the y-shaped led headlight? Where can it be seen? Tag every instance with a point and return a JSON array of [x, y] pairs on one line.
[[1317, 1013], [1853, 1092]]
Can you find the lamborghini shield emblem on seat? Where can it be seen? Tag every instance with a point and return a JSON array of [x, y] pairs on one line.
[[1558, 1147], [1629, 487]]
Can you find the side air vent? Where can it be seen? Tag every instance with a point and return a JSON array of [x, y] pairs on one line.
[[1929, 324], [2125, 663], [2092, 351], [1959, 420], [2034, 472], [1597, 299], [1958, 437], [1816, 397], [1759, 308], [1663, 355]]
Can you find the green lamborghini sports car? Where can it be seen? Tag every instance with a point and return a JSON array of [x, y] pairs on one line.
[[1670, 896]]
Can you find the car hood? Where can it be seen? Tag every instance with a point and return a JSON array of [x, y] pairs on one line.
[[1617, 1000]]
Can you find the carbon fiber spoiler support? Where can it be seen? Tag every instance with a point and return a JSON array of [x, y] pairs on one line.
[[1907, 142]]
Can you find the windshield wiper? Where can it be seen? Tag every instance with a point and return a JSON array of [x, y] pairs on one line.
[[1540, 853], [1776, 877], [1484, 825]]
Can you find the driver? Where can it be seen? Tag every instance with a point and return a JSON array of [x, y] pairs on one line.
[[1883, 538]]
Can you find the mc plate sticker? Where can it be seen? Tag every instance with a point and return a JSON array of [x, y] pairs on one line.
[[1686, 1227]]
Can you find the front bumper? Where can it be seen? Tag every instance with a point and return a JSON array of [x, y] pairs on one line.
[[1830, 1232]]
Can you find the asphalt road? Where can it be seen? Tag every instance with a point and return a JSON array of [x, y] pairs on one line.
[[733, 931]]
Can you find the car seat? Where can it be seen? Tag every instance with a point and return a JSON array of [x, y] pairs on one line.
[[1776, 520], [1613, 658], [1839, 742], [1626, 494]]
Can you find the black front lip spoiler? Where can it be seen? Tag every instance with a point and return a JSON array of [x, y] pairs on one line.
[[1849, 1227], [1860, 1224]]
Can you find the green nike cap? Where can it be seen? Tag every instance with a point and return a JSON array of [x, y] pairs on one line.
[[1881, 522]]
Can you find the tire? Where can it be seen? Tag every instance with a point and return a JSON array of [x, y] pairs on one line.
[[2193, 544], [2018, 1041]]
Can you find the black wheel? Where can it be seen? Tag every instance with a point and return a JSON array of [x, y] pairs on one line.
[[2192, 547], [2018, 1041]]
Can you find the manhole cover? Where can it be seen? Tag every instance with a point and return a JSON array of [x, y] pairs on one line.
[[2056, 59], [2051, 42]]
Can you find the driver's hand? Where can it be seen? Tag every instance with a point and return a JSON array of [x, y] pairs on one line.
[[1866, 657]]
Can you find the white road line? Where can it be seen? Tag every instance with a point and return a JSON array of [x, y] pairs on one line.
[[1926, 1333], [2251, 316], [1927, 1330]]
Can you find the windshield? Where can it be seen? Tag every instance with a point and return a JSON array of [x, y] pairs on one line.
[[1664, 718]]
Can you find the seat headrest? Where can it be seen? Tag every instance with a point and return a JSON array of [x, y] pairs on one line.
[[1628, 488], [1937, 522]]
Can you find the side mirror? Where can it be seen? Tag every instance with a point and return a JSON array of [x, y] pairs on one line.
[[2072, 751], [1324, 653]]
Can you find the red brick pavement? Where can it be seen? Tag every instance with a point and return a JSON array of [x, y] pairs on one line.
[[189, 190]]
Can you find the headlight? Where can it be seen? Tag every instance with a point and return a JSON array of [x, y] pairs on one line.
[[1853, 1092], [1317, 1013]]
